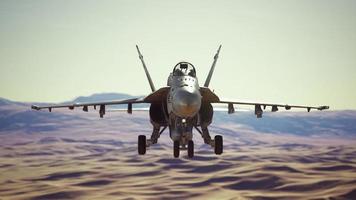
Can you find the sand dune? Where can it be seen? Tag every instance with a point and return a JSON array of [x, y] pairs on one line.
[[75, 155], [59, 167]]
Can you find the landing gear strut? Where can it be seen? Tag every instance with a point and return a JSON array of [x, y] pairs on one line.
[[141, 144], [217, 143]]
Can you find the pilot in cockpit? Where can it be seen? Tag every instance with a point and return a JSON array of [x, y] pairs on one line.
[[184, 69]]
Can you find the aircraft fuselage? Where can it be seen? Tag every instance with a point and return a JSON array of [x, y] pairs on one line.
[[183, 102]]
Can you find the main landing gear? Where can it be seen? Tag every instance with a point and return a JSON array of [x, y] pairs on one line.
[[141, 144], [217, 144], [176, 149]]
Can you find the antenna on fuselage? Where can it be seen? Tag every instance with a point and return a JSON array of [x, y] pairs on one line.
[[145, 68], [207, 81]]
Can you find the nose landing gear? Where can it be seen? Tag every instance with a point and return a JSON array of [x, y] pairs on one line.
[[177, 147]]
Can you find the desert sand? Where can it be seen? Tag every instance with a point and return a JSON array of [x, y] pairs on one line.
[[97, 159]]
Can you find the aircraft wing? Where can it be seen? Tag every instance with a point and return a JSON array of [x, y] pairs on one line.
[[144, 109], [101, 105], [274, 107]]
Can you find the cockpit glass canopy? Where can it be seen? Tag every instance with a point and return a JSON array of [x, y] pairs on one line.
[[184, 69]]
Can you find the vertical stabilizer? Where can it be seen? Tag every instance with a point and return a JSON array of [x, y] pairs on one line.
[[207, 81], [145, 68]]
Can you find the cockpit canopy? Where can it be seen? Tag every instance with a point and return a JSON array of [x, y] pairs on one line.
[[184, 69]]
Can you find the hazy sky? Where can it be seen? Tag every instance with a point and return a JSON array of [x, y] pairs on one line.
[[297, 52]]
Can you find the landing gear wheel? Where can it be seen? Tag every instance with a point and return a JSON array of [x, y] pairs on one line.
[[190, 149], [176, 149], [218, 144], [141, 144]]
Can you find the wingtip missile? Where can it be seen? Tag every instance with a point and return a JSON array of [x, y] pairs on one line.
[[323, 107], [34, 107]]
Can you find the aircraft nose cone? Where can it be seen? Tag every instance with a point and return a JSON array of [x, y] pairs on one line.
[[186, 103]]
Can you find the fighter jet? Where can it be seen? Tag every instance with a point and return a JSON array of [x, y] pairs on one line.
[[181, 106]]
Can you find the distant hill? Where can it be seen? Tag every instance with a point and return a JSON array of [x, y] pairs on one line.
[[18, 116], [298, 123], [4, 102], [103, 97]]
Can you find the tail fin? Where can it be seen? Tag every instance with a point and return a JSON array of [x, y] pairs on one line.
[[145, 68], [207, 81]]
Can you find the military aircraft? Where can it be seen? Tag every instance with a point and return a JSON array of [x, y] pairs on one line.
[[181, 106]]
